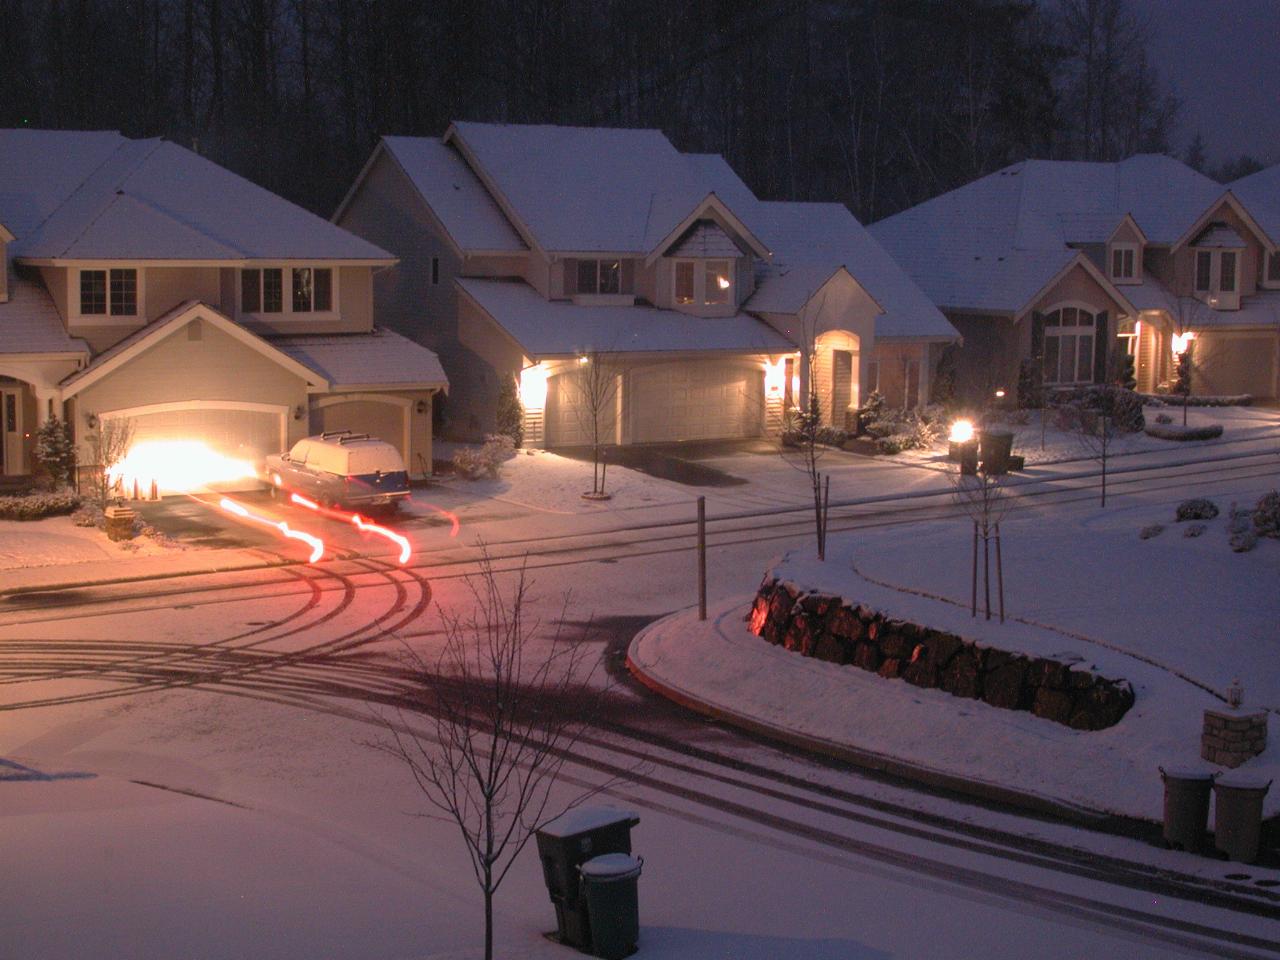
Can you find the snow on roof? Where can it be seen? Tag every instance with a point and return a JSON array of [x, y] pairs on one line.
[[107, 197], [29, 322], [1260, 310], [558, 328], [705, 239], [1260, 193], [813, 240], [993, 243], [1219, 235], [583, 189], [382, 358], [455, 194]]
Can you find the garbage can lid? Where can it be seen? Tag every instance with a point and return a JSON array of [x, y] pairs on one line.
[[1187, 772], [611, 866], [584, 819], [1243, 780]]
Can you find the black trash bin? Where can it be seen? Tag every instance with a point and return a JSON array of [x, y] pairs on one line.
[[1237, 816], [994, 449], [1186, 807], [609, 888], [565, 844]]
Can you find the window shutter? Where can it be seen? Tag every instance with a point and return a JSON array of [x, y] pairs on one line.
[[1037, 339], [1101, 347], [570, 277], [628, 276]]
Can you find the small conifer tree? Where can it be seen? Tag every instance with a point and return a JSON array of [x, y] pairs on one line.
[[56, 451], [510, 412]]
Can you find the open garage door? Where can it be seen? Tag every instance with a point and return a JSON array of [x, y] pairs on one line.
[[695, 400], [385, 419], [185, 447]]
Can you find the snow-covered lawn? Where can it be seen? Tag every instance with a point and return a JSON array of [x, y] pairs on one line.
[[1239, 423], [56, 540], [1158, 612], [545, 482]]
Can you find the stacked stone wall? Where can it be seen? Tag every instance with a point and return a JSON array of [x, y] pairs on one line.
[[827, 628]]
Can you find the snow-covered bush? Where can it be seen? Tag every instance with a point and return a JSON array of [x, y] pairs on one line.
[[88, 515], [1238, 521], [55, 452], [1244, 542], [37, 506], [1146, 533], [830, 436], [872, 408], [893, 445], [1196, 508], [1080, 409], [1194, 530], [486, 461], [1176, 431], [1163, 418], [1266, 515]]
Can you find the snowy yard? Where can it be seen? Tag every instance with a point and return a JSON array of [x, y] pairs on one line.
[[1158, 612], [56, 540], [1053, 445]]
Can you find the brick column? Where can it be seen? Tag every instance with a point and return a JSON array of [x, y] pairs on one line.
[[1230, 737]]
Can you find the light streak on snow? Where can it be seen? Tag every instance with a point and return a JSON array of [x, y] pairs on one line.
[[360, 523], [239, 510]]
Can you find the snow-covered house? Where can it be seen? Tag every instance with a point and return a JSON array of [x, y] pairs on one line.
[[141, 281], [1069, 262], [525, 250]]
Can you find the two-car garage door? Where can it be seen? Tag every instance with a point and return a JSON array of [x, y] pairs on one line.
[[661, 402]]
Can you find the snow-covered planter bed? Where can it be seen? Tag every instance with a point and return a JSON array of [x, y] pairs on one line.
[[1227, 400], [831, 628], [37, 506], [1175, 431]]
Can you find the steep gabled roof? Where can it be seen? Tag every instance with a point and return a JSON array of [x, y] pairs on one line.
[[812, 241], [105, 197], [381, 359], [169, 323], [1260, 193], [585, 189], [29, 322], [990, 244], [451, 189]]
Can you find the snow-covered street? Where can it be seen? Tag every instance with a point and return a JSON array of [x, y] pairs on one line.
[[188, 770]]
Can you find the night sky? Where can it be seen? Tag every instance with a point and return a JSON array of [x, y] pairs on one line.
[[1223, 59]]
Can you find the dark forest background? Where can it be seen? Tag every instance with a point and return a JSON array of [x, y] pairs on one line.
[[878, 103]]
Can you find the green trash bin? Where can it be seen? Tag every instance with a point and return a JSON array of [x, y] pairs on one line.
[[566, 843], [609, 888]]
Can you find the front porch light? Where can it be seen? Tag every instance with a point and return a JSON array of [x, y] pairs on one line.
[[533, 387], [775, 377], [961, 431]]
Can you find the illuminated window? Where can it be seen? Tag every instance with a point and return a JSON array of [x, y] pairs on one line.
[[310, 290], [719, 282]]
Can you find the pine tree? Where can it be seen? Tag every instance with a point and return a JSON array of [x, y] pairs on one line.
[[56, 452], [510, 415]]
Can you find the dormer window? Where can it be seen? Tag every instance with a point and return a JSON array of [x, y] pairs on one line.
[[1227, 272], [1273, 268], [703, 282], [1204, 269], [1124, 259]]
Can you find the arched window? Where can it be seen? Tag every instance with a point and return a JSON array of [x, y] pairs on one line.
[[1068, 345]]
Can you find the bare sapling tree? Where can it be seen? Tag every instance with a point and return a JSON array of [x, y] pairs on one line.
[[108, 445], [594, 397], [802, 429], [509, 706], [1187, 313], [1096, 433], [985, 499]]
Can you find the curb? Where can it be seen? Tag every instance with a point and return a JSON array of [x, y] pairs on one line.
[[143, 578], [866, 759]]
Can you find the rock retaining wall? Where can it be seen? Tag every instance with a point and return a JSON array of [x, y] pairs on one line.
[[828, 628]]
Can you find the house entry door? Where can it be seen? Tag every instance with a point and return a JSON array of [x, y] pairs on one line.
[[841, 386], [10, 432]]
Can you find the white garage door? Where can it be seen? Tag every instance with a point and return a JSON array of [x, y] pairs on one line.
[[172, 446], [569, 409], [695, 400]]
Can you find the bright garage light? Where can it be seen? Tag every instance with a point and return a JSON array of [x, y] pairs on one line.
[[1180, 342], [961, 431], [533, 387], [179, 466]]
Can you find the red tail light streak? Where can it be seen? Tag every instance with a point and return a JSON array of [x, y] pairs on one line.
[[239, 510], [360, 523]]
